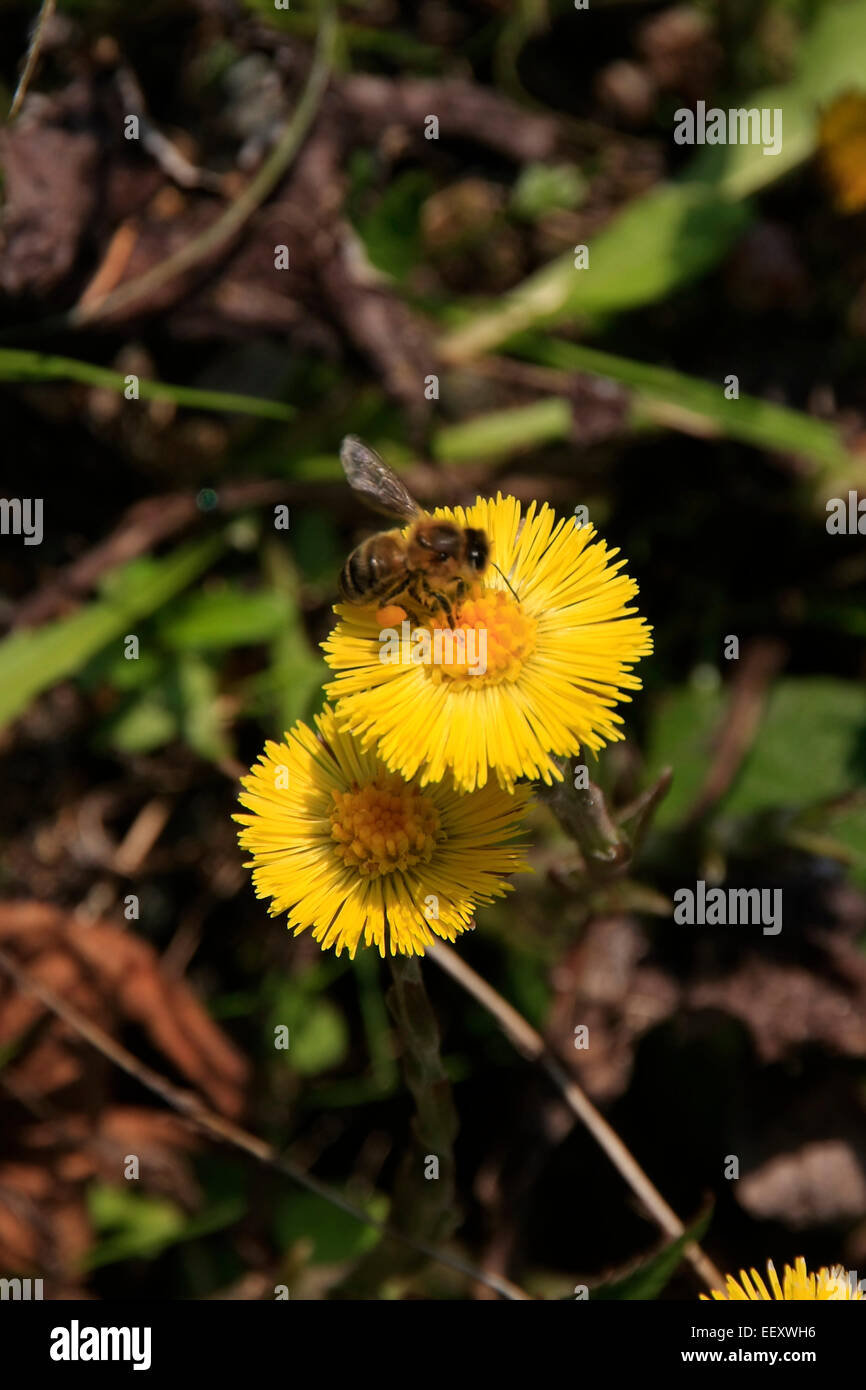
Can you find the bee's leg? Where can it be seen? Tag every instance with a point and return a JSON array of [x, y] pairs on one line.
[[417, 591], [441, 603], [447, 608], [393, 592]]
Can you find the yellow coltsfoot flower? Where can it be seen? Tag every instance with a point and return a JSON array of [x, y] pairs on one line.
[[797, 1285], [355, 853], [526, 675]]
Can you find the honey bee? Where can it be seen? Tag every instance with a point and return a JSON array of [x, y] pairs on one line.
[[432, 567]]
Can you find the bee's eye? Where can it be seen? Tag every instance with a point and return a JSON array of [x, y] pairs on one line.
[[477, 549]]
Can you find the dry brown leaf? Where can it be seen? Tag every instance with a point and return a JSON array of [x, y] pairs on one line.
[[74, 1133], [112, 977]]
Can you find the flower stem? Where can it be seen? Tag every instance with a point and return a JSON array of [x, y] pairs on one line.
[[424, 1203], [583, 813], [607, 840]]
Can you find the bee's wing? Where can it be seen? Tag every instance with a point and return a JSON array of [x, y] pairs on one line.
[[373, 480]]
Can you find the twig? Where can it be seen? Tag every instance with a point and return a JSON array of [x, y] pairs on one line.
[[189, 1105], [229, 223], [48, 8], [141, 836], [524, 1037], [466, 111], [169, 158]]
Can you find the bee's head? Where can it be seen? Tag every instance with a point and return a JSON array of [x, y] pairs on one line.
[[442, 537], [477, 550]]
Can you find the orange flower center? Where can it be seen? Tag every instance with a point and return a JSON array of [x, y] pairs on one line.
[[492, 639], [384, 826]]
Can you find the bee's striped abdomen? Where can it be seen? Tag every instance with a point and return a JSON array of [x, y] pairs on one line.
[[353, 582]]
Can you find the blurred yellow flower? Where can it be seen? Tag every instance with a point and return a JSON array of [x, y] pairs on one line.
[[842, 149], [354, 853], [557, 659], [797, 1285]]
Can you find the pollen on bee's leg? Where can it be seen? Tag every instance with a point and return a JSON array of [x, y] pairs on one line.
[[441, 606], [390, 615]]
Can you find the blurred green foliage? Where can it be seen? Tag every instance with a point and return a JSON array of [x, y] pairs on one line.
[[229, 621]]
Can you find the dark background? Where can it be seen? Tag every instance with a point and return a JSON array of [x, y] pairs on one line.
[[120, 778]]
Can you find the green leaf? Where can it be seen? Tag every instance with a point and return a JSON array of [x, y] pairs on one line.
[[811, 746], [661, 242], [832, 61], [296, 673], [542, 188], [226, 617], [528, 979], [504, 432], [847, 827], [197, 697], [32, 660], [185, 705], [111, 667], [648, 1279], [671, 398], [678, 231], [391, 231], [683, 724], [321, 1038], [736, 171], [833, 55], [138, 1226], [335, 1235], [318, 1032], [19, 365], [664, 241], [316, 548], [144, 724]]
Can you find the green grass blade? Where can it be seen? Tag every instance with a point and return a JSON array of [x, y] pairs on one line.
[[17, 364], [672, 398], [503, 432], [661, 242], [32, 660], [678, 231]]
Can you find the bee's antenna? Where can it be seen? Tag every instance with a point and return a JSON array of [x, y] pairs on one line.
[[505, 577]]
